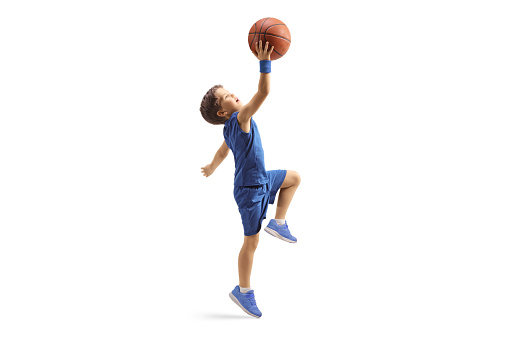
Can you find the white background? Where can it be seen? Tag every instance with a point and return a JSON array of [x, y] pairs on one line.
[[395, 113]]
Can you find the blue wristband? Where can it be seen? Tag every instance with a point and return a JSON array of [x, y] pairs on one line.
[[264, 66]]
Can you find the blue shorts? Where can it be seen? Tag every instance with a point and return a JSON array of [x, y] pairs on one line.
[[253, 201]]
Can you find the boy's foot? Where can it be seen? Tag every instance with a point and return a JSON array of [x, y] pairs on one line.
[[280, 231], [246, 301]]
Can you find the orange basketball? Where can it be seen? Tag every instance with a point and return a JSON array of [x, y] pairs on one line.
[[275, 32]]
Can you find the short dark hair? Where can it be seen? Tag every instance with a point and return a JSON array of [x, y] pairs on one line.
[[210, 106]]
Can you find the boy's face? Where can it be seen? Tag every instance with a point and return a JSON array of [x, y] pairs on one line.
[[228, 102]]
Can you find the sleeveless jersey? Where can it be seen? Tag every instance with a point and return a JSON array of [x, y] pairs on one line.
[[248, 153]]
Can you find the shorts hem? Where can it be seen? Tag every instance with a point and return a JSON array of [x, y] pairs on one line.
[[277, 186]]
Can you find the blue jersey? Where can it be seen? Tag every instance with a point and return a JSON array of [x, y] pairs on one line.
[[248, 153]]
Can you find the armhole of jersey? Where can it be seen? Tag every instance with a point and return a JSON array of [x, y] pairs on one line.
[[250, 125]]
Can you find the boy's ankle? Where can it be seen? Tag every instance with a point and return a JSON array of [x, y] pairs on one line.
[[244, 289]]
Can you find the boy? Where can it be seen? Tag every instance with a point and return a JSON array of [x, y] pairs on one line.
[[254, 187]]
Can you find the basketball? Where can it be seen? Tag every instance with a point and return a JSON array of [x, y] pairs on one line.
[[275, 32]]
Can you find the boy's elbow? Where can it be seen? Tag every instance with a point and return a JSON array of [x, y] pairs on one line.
[[264, 91], [224, 153]]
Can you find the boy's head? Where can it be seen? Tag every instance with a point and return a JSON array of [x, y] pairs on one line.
[[218, 105]]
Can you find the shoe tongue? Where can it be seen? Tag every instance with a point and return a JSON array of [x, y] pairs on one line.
[[250, 294]]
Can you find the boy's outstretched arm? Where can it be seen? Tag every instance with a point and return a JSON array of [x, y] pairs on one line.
[[221, 154], [249, 109]]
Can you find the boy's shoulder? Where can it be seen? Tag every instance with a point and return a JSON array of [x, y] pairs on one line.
[[230, 122]]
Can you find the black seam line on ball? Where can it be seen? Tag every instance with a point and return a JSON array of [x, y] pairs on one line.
[[263, 23], [272, 26], [251, 44], [270, 34]]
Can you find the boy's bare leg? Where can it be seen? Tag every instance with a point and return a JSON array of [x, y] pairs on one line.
[[286, 192], [246, 259]]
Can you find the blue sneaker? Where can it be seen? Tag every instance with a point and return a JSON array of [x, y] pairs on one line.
[[246, 301], [280, 231]]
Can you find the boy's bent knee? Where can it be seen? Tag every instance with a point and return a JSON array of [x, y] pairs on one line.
[[297, 178], [292, 179]]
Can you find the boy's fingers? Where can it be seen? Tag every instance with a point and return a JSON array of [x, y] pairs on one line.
[[266, 46]]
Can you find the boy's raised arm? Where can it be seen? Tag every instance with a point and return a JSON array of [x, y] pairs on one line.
[[249, 109]]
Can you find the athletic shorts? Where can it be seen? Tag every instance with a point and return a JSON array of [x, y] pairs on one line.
[[253, 201]]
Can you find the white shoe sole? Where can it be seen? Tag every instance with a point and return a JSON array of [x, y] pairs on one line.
[[235, 300], [277, 235]]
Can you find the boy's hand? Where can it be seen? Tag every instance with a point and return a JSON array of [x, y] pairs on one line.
[[263, 54], [207, 170]]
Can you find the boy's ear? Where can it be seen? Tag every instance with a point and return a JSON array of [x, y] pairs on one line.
[[221, 113]]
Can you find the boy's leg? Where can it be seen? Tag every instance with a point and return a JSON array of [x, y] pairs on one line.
[[246, 299], [286, 192], [246, 259]]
